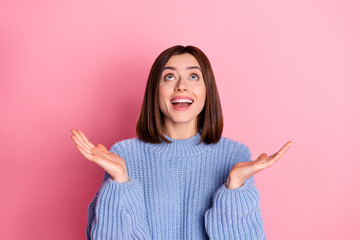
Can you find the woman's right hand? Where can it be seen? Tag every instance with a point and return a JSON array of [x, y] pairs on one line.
[[113, 164]]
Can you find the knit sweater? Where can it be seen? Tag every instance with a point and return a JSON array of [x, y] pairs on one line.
[[176, 191]]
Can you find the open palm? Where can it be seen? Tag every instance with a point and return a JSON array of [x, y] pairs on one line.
[[243, 170], [110, 162]]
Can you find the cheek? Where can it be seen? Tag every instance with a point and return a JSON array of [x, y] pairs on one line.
[[162, 98], [201, 94]]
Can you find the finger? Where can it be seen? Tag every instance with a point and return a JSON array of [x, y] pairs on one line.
[[276, 156], [283, 150], [261, 157], [102, 147], [76, 139], [87, 150], [79, 137], [85, 153], [85, 139]]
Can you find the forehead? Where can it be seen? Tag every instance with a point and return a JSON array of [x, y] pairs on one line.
[[182, 60]]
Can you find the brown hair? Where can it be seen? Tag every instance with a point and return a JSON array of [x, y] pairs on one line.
[[209, 121]]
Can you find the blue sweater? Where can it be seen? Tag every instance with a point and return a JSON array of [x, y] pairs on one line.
[[176, 191]]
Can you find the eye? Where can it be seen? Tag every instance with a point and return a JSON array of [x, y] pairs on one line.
[[196, 76], [167, 77]]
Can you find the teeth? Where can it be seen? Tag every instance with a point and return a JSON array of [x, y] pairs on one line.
[[181, 100]]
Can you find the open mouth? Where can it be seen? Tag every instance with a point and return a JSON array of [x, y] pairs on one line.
[[182, 102]]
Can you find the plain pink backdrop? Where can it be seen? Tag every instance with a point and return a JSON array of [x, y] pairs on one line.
[[286, 71]]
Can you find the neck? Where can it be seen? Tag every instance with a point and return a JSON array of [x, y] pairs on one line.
[[180, 130], [181, 147]]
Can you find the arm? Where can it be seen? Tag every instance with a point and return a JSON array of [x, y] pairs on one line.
[[117, 211], [236, 212]]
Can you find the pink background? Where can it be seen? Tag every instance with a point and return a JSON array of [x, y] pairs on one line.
[[286, 70]]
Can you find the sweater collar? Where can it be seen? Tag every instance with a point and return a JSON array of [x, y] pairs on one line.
[[181, 147]]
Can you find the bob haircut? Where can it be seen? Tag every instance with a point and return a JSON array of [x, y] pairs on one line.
[[149, 127]]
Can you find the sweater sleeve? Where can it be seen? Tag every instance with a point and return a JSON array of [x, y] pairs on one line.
[[117, 211], [236, 213]]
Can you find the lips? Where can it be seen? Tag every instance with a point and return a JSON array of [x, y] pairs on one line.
[[181, 99], [181, 103]]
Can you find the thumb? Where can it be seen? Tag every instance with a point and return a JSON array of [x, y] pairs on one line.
[[102, 147], [262, 156]]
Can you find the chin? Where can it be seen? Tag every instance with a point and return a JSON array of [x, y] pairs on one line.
[[182, 119]]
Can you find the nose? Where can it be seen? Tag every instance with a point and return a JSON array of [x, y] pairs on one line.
[[181, 85]]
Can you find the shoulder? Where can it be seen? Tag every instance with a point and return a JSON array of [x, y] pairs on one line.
[[236, 147], [225, 141], [122, 147]]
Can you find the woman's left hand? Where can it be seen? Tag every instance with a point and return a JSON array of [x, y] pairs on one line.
[[243, 170]]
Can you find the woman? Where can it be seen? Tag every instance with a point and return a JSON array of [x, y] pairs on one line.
[[179, 179]]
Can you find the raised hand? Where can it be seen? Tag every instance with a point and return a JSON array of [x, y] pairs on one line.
[[243, 170], [110, 162]]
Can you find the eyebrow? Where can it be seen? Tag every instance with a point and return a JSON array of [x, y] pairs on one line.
[[188, 68]]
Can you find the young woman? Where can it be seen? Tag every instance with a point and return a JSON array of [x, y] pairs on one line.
[[179, 178]]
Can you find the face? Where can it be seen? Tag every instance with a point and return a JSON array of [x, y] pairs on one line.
[[182, 90]]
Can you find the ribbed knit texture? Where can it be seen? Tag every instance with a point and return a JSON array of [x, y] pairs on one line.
[[176, 191]]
